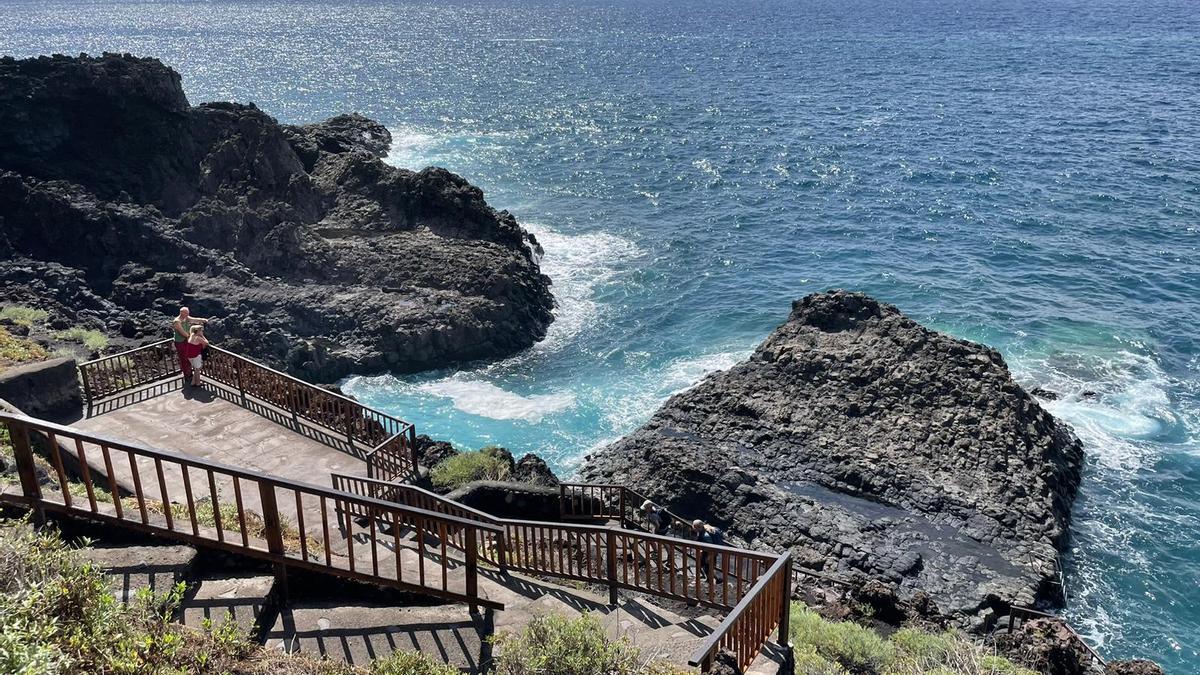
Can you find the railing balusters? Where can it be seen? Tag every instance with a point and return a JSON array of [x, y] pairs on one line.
[[56, 458], [237, 498], [137, 486], [162, 491], [85, 473], [216, 505], [300, 526], [191, 501], [112, 481]]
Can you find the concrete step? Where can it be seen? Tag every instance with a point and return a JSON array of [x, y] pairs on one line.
[[238, 599], [360, 633], [131, 568]]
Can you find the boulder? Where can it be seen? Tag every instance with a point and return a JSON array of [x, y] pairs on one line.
[[869, 445], [533, 469], [318, 257], [1133, 667]]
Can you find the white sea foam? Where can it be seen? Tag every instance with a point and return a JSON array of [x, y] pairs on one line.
[[479, 397], [578, 265], [1114, 399], [657, 386], [412, 149]]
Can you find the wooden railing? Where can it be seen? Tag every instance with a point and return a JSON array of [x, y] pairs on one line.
[[719, 577], [1019, 615], [489, 545], [599, 501], [130, 369], [246, 512], [390, 442], [750, 624]]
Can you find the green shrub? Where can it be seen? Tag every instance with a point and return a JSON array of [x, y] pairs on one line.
[[24, 316], [553, 645], [59, 616], [809, 662], [458, 470], [853, 646], [15, 349], [831, 648], [922, 653], [411, 663], [93, 340]]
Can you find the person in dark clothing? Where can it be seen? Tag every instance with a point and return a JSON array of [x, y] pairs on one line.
[[706, 534]]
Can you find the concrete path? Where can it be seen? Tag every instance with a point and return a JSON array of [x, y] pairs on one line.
[[217, 424]]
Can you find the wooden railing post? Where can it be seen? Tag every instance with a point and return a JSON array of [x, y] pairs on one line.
[[621, 505], [785, 613], [87, 385], [562, 495], [273, 533], [237, 373], [611, 547], [349, 424], [472, 567], [23, 452], [412, 448]]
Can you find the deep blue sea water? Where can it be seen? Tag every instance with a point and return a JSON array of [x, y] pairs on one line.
[[1025, 174]]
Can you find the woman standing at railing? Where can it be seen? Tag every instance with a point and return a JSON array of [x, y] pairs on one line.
[[181, 330]]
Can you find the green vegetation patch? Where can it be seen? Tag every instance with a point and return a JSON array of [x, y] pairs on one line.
[[57, 615], [24, 316], [554, 645], [91, 339], [458, 470], [836, 647], [15, 350]]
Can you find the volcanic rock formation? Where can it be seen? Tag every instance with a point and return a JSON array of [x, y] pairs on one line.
[[870, 446], [119, 201]]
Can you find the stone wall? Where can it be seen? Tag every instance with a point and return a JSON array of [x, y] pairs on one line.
[[47, 389], [523, 501]]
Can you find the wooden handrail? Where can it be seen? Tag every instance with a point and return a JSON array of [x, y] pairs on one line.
[[393, 456], [127, 352], [228, 469], [482, 516], [758, 594], [172, 510], [309, 385], [1014, 612]]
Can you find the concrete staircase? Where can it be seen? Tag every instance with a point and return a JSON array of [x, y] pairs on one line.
[[356, 627]]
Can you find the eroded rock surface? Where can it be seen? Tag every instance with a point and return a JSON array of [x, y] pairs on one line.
[[119, 201], [870, 446]]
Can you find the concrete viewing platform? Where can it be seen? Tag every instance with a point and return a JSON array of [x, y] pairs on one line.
[[216, 423]]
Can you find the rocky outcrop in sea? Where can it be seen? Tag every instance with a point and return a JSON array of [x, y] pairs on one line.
[[120, 201], [871, 447]]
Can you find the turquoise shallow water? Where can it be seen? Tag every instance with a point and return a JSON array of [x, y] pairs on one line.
[[1025, 174]]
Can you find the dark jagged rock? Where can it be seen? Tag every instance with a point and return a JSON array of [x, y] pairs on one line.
[[533, 469], [870, 445], [1047, 646], [317, 256], [1132, 667], [431, 452]]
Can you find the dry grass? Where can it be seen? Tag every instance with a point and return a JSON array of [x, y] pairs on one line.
[[15, 350]]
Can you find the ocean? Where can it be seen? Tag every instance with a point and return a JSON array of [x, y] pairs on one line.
[[1020, 173]]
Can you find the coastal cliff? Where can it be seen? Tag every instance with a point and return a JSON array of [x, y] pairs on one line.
[[120, 201], [870, 446]]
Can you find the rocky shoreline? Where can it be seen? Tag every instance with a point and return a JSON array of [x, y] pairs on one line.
[[871, 447], [119, 201]]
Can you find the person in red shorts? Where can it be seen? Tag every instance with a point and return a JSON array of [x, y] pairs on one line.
[[195, 348], [181, 330]]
